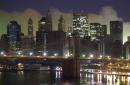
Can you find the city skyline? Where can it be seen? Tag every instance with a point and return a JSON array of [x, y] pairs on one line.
[[64, 42], [102, 12]]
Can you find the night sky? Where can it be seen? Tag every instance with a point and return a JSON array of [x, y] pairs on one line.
[[99, 11], [121, 6]]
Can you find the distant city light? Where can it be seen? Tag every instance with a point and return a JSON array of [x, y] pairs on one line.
[[43, 22]]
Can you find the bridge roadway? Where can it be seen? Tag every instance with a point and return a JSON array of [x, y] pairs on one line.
[[56, 60]]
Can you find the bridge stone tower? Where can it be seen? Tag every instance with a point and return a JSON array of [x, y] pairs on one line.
[[71, 68]]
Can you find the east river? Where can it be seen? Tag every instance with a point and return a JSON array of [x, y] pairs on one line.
[[45, 78]]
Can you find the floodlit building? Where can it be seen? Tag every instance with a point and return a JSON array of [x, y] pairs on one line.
[[80, 24]]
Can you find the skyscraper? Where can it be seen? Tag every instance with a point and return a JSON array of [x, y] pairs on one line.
[[48, 21], [30, 27], [61, 24], [80, 24], [47, 41], [97, 31], [4, 42], [116, 30], [116, 34], [14, 36], [30, 34], [42, 24], [45, 23], [127, 48]]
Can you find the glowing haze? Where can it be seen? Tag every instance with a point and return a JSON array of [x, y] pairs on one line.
[[106, 14]]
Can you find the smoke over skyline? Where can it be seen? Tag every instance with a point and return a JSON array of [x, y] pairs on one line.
[[105, 15]]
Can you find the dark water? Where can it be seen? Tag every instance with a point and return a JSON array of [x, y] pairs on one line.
[[45, 78]]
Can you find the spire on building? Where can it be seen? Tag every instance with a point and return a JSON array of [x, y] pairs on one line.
[[30, 27], [48, 21]]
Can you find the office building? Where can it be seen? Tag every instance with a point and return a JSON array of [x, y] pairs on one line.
[[14, 36], [61, 24], [80, 24], [116, 30], [31, 42]]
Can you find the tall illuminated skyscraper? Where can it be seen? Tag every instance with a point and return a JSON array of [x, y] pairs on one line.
[[80, 24], [97, 31]]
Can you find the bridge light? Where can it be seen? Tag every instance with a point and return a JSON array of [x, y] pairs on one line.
[[71, 54], [44, 54], [100, 56], [108, 57], [67, 55], [19, 53], [122, 57], [5, 55], [31, 53], [38, 56], [83, 55], [55, 54], [2, 53], [91, 56]]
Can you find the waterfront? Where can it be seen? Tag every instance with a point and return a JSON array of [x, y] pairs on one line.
[[45, 78]]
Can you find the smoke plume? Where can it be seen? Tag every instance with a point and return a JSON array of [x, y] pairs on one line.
[[21, 18], [106, 15]]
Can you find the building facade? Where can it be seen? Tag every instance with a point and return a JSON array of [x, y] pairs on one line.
[[31, 41], [61, 24], [116, 30], [14, 36], [80, 24]]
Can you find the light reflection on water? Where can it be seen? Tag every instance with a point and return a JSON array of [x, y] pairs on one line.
[[45, 78], [104, 78]]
